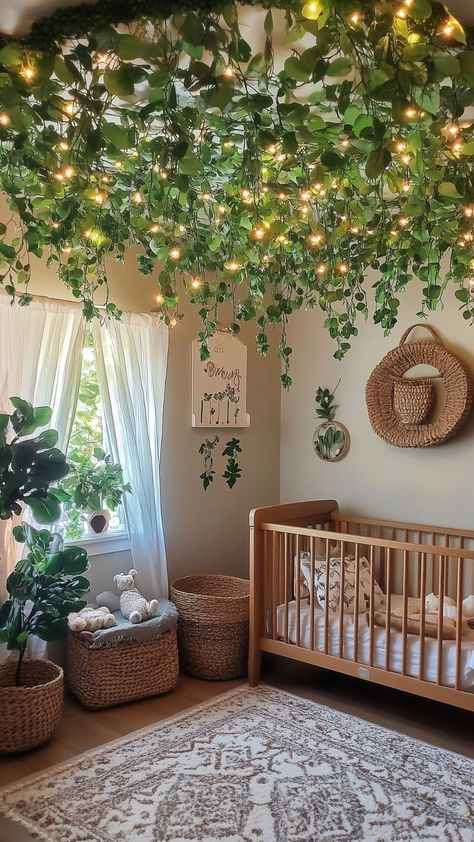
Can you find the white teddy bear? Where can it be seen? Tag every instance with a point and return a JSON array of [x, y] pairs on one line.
[[91, 619], [133, 605]]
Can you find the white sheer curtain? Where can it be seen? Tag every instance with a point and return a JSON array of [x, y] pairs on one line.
[[41, 356], [131, 359]]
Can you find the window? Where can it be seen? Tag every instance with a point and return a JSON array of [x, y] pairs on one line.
[[86, 451]]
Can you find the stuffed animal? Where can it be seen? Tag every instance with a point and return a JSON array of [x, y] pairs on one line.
[[468, 607], [133, 605], [91, 619]]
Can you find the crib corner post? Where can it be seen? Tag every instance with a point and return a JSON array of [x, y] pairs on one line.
[[256, 608]]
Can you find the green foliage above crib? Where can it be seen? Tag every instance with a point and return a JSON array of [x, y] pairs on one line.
[[258, 180]]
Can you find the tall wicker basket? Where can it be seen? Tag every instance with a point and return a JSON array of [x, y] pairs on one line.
[[213, 625]]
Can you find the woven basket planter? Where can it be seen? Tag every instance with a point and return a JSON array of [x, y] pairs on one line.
[[29, 713], [413, 400], [132, 670], [213, 625]]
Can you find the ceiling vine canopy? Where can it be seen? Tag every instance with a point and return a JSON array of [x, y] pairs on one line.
[[257, 184]]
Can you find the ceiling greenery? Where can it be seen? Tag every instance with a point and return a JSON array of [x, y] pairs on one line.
[[260, 185]]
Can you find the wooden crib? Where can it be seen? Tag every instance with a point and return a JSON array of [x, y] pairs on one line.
[[408, 561]]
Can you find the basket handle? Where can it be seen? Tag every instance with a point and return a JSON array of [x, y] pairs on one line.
[[420, 324]]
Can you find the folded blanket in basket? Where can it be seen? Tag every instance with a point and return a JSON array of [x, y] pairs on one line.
[[166, 620]]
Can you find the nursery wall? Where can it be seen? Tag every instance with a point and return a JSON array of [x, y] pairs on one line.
[[204, 531], [428, 485]]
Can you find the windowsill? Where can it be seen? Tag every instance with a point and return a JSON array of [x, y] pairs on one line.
[[106, 542]]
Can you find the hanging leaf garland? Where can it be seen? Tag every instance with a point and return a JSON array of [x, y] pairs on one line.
[[270, 184]]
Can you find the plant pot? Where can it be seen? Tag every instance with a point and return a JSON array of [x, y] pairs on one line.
[[98, 522], [29, 713]]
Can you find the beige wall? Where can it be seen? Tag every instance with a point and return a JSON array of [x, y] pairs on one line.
[[429, 485], [204, 531]]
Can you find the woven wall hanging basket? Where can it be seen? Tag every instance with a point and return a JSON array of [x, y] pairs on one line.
[[400, 408]]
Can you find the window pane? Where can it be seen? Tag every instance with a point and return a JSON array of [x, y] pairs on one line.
[[86, 452]]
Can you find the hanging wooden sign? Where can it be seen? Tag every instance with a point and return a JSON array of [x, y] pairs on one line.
[[220, 383]]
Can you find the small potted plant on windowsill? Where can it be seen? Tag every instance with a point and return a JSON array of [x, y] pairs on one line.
[[94, 488], [45, 586]]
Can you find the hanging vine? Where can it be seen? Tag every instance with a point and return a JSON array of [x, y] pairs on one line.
[[268, 184]]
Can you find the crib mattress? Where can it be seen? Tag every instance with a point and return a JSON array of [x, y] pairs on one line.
[[448, 673]]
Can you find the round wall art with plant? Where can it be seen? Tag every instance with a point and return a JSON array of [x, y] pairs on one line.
[[331, 439]]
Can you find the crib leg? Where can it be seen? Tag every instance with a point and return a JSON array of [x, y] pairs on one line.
[[255, 665]]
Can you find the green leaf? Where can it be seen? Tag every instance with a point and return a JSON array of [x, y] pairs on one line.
[[447, 188], [377, 162], [44, 509], [420, 9], [120, 82], [339, 67], [296, 70], [118, 136], [468, 148]]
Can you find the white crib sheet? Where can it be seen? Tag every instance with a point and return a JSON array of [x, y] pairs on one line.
[[396, 644]]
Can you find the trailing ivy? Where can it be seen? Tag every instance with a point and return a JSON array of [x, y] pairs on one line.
[[269, 187]]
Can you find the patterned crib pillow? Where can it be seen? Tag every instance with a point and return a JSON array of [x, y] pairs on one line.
[[335, 583]]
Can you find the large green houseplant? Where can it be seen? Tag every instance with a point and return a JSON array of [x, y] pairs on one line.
[[46, 584]]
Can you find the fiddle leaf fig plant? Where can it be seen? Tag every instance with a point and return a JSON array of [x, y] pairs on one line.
[[29, 463], [45, 586]]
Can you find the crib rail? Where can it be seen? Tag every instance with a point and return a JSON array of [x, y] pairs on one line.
[[380, 629]]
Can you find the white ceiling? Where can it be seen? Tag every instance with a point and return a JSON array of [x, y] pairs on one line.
[[17, 15]]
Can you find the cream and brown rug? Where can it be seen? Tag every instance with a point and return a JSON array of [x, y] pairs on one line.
[[252, 766]]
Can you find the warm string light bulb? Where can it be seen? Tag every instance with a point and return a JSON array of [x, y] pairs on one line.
[[447, 29], [403, 221], [400, 146], [4, 119], [355, 18], [469, 211], [410, 113], [229, 72], [343, 268], [258, 233], [321, 269], [196, 283], [137, 197], [315, 239], [233, 266], [154, 228], [159, 299], [174, 253], [246, 196], [27, 73], [99, 197]]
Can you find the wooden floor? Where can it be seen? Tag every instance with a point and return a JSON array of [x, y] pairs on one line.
[[81, 730]]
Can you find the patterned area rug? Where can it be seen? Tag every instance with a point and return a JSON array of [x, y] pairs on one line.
[[252, 766]]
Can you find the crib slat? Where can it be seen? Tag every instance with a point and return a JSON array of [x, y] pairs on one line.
[[356, 604], [326, 593], [422, 579], [275, 580], [341, 603], [459, 596], [287, 583], [298, 595], [439, 660], [371, 560], [405, 612], [388, 627], [312, 544]]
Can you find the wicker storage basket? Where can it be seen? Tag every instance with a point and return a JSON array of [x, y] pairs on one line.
[[131, 670], [413, 400], [29, 713], [213, 625]]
